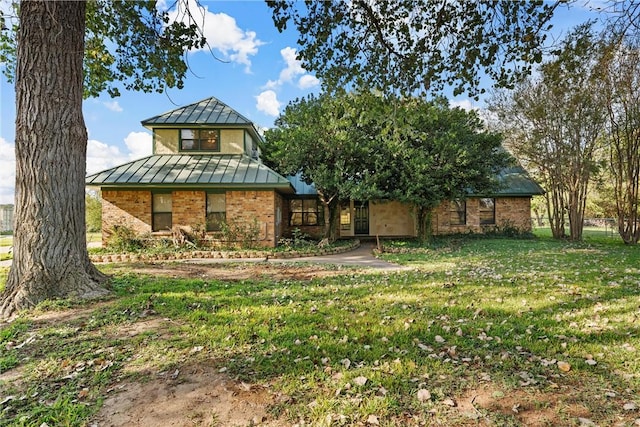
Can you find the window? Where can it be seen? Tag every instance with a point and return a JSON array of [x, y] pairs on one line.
[[487, 211], [199, 140], [458, 212], [161, 212], [305, 212], [345, 217], [216, 211]]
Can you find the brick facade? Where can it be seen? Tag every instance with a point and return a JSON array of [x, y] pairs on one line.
[[243, 207], [128, 208], [509, 212], [189, 208], [133, 208], [270, 211]]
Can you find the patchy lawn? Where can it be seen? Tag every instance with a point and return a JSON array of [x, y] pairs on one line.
[[482, 332]]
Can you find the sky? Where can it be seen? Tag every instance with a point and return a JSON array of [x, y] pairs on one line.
[[253, 69]]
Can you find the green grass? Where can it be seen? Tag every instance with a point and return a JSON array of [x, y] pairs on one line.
[[476, 317], [6, 240]]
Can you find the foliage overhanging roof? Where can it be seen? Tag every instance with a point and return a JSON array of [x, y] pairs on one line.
[[514, 182]]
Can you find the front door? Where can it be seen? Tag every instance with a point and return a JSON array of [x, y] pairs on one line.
[[361, 217]]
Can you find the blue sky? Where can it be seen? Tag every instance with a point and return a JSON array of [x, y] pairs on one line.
[[256, 74]]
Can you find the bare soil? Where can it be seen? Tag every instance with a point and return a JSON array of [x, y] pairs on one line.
[[197, 395]]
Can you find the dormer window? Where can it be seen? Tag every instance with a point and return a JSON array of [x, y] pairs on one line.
[[199, 140]]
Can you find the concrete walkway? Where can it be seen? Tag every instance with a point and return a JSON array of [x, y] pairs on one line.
[[360, 257]]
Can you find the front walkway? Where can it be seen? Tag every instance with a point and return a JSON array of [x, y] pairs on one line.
[[360, 257]]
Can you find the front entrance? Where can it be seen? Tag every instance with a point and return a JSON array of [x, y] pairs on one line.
[[361, 217]]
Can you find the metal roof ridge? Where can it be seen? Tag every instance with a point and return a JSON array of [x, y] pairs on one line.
[[195, 104]]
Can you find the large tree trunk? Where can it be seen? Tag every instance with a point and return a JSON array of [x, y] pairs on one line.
[[50, 253], [332, 215], [423, 220]]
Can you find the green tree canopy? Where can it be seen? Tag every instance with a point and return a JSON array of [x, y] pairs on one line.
[[132, 45], [417, 45], [555, 123], [365, 146], [320, 137]]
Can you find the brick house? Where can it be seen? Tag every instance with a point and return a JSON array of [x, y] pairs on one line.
[[205, 171]]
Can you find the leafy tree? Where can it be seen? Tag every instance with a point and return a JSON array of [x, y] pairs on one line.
[[417, 45], [621, 71], [554, 123], [365, 146], [319, 137], [434, 154], [127, 42], [93, 211]]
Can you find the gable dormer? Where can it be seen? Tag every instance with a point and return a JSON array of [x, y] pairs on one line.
[[204, 127]]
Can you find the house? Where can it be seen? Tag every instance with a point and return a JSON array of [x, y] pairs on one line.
[[6, 218], [510, 206], [205, 172]]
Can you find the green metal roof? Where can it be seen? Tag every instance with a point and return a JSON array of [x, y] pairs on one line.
[[301, 187], [232, 170], [210, 111], [515, 181]]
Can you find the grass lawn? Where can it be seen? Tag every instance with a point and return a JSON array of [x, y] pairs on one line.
[[6, 240], [496, 331]]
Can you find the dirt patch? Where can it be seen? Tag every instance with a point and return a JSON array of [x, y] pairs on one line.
[[192, 396], [234, 272], [532, 408]]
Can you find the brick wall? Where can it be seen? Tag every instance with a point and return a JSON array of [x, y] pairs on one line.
[[129, 208], [514, 211], [189, 208], [243, 207], [509, 211], [133, 209]]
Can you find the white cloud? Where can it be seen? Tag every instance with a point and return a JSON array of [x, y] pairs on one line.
[[268, 103], [307, 81], [7, 172], [292, 69], [113, 106], [294, 66], [140, 144], [100, 156], [222, 33]]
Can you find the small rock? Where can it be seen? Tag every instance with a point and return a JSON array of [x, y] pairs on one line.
[[630, 406], [424, 395], [360, 380], [450, 402]]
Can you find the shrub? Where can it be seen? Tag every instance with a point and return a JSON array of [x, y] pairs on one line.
[[238, 234], [124, 239]]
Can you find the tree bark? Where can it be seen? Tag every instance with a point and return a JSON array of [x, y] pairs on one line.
[[50, 253], [423, 220]]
